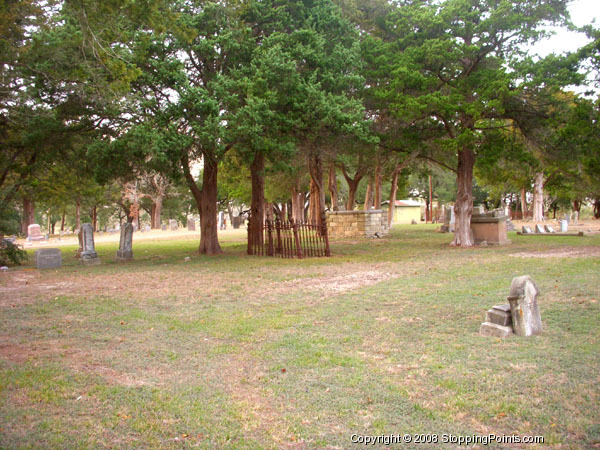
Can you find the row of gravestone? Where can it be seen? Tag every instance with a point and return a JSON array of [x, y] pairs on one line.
[[51, 258], [543, 229]]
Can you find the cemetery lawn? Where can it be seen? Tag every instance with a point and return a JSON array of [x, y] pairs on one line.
[[237, 351]]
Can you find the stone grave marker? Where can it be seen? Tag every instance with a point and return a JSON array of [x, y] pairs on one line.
[[48, 258], [526, 230], [34, 233], [549, 229], [524, 309], [498, 322], [125, 251], [540, 229], [88, 253], [564, 226], [147, 228], [173, 225], [191, 225], [163, 227]]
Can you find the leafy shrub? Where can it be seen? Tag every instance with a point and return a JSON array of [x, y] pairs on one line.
[[11, 253]]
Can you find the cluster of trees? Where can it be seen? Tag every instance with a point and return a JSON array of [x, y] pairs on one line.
[[119, 103]]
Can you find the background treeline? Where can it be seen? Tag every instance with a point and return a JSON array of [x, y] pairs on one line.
[[110, 109]]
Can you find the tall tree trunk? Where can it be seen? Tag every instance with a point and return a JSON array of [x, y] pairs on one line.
[[317, 193], [94, 219], [297, 204], [369, 196], [209, 240], [28, 215], [523, 204], [62, 221], [393, 194], [597, 208], [156, 212], [577, 205], [206, 202], [78, 214], [463, 207], [538, 197], [332, 185], [283, 214], [377, 198], [257, 206], [352, 188]]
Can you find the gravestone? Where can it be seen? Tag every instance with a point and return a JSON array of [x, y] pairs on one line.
[[191, 224], [125, 251], [173, 225], [526, 230], [88, 252], [34, 233], [80, 239], [48, 258], [524, 309], [549, 229], [510, 226], [147, 228], [564, 226], [163, 227], [540, 229]]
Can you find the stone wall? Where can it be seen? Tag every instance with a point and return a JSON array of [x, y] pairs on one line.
[[342, 224]]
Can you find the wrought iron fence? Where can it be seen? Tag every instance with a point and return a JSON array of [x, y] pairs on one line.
[[287, 239]]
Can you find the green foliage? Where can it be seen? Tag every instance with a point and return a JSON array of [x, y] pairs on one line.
[[11, 253]]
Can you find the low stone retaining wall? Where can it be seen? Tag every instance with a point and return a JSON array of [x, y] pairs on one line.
[[342, 224]]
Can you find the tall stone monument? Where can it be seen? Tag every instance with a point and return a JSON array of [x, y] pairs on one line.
[[88, 252], [191, 224], [524, 309], [125, 251]]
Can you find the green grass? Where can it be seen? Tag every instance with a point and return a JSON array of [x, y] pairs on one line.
[[247, 352]]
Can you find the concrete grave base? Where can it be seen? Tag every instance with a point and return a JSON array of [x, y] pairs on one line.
[[124, 255], [495, 330], [90, 261]]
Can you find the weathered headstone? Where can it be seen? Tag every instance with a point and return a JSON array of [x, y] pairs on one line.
[[88, 253], [540, 229], [48, 258], [191, 224], [173, 225], [147, 228], [524, 309], [564, 226], [510, 226], [163, 227], [80, 239], [34, 233], [549, 229], [526, 230], [125, 251]]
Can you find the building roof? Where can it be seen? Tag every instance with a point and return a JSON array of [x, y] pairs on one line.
[[407, 203]]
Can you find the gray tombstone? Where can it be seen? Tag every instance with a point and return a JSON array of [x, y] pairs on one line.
[[191, 224], [163, 227], [48, 258], [524, 309], [80, 239], [575, 217], [147, 228], [34, 233], [540, 229], [564, 226], [526, 230], [549, 229], [498, 322], [88, 253], [125, 251], [173, 225]]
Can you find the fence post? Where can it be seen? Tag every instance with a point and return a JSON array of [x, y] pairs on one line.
[[279, 249], [297, 240], [324, 233], [270, 237]]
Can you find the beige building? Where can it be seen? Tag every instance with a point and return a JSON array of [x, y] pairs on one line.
[[406, 211]]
